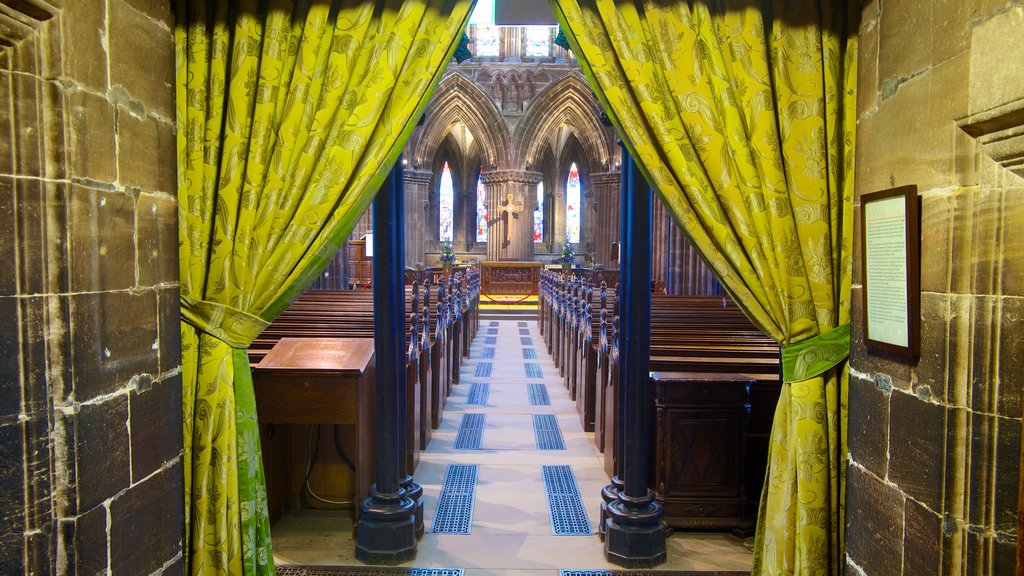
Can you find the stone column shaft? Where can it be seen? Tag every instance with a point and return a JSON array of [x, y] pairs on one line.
[[510, 238], [417, 201], [605, 191]]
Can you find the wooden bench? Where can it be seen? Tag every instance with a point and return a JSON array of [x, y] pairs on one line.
[[437, 327], [707, 336]]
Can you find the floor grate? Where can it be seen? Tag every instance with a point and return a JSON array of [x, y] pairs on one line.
[[529, 353], [524, 332], [568, 516], [547, 432], [525, 341], [364, 571], [490, 340], [471, 432], [483, 370], [533, 370], [494, 323], [479, 393], [652, 573], [492, 331], [521, 324], [487, 354], [539, 395], [454, 513]]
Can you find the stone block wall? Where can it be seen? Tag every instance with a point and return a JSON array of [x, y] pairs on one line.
[[90, 392], [936, 442]]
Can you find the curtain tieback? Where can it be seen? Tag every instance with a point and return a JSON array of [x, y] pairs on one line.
[[232, 326], [814, 356]]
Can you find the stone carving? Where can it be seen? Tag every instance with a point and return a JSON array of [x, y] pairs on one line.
[[507, 209]]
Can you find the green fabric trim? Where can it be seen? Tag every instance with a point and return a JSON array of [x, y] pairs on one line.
[[232, 326], [815, 356]]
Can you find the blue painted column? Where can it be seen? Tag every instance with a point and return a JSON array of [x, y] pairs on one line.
[[634, 536], [386, 533]]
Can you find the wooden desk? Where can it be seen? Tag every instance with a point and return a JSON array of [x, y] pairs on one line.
[[321, 381]]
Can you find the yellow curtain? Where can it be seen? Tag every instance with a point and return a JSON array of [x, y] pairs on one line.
[[742, 116], [289, 115]]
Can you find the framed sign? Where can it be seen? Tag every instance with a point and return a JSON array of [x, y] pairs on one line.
[[890, 261]]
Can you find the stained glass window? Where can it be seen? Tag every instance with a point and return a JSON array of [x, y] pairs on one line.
[[486, 40], [572, 206], [538, 40], [481, 211], [447, 205], [538, 215]]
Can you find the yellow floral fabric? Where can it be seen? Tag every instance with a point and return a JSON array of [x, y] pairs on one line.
[[289, 116], [742, 116]]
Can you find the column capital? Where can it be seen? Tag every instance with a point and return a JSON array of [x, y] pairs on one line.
[[417, 176], [511, 177]]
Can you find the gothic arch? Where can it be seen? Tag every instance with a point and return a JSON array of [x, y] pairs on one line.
[[568, 101], [459, 99]]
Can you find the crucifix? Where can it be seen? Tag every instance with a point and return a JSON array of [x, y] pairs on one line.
[[507, 209]]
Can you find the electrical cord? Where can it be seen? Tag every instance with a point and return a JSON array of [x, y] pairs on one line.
[[314, 449]]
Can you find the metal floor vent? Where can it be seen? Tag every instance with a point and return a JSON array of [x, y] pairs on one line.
[[526, 341], [539, 395], [521, 324], [483, 370], [471, 432], [524, 332], [479, 393], [651, 573], [454, 513], [492, 331], [568, 516], [487, 354], [533, 370], [490, 340], [364, 571], [529, 353], [494, 323], [547, 432]]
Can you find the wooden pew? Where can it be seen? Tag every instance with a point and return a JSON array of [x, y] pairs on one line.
[[432, 324], [708, 336]]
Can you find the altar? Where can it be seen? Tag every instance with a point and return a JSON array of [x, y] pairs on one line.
[[518, 278]]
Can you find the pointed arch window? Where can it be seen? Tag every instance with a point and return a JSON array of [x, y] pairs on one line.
[[481, 209], [538, 40], [446, 206], [486, 40], [572, 206], [538, 214]]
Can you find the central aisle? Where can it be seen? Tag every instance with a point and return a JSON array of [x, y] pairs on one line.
[[500, 396]]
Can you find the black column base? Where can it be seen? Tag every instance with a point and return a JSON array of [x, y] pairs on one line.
[[609, 494], [387, 532], [634, 536], [415, 492]]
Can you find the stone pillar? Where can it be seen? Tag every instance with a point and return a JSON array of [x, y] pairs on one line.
[[604, 190], [417, 204], [512, 43], [510, 223]]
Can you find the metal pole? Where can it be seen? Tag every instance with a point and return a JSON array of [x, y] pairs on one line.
[[634, 536], [386, 532]]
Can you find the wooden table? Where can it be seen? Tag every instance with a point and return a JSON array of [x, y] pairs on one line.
[[322, 381]]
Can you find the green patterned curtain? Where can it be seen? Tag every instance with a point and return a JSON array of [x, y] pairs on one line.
[[289, 115], [742, 115]]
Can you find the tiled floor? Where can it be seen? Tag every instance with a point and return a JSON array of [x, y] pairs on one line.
[[511, 531]]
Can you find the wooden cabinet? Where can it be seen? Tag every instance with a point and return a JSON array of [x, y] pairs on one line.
[[700, 449]]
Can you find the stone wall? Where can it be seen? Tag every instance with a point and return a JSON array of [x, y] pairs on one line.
[[935, 442], [90, 400]]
